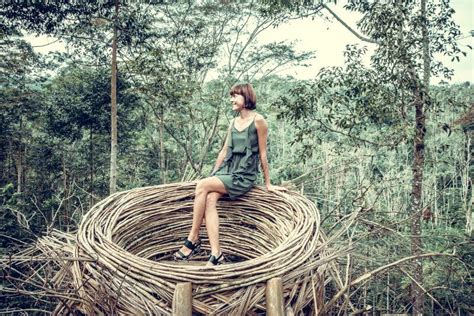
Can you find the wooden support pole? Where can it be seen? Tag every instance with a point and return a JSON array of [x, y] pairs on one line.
[[183, 299], [317, 282], [289, 311], [274, 297]]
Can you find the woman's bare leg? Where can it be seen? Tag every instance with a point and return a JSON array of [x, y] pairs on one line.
[[212, 222], [203, 187]]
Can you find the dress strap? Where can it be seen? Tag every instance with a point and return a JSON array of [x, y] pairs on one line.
[[254, 120], [248, 131]]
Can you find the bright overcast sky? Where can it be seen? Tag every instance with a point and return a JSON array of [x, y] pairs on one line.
[[328, 41]]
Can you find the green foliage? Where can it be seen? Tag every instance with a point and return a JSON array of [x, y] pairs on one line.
[[79, 99], [347, 102], [344, 138]]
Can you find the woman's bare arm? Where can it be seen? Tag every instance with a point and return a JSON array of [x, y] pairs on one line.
[[262, 132]]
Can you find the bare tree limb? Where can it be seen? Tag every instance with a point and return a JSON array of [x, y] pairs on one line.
[[372, 273], [362, 38]]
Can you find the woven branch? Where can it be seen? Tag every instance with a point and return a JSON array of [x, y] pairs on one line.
[[120, 259]]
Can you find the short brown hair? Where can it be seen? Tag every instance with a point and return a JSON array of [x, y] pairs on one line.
[[245, 90]]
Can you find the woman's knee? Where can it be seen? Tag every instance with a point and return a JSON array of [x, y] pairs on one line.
[[201, 187]]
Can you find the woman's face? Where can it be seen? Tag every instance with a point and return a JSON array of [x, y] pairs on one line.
[[238, 102]]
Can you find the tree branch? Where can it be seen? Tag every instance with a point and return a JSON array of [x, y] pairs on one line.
[[372, 273], [362, 38]]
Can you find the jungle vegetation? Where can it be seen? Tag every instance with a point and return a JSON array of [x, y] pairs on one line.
[[379, 145]]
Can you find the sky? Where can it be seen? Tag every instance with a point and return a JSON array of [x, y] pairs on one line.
[[328, 41]]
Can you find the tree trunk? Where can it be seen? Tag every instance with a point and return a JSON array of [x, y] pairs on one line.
[[66, 192], [467, 186], [162, 146], [19, 160], [19, 169], [113, 108], [421, 96], [91, 168]]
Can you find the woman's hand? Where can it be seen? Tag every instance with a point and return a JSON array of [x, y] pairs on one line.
[[275, 188]]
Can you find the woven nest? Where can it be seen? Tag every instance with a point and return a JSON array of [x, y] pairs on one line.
[[125, 243]]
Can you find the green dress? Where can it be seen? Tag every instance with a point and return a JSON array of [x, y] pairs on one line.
[[239, 169]]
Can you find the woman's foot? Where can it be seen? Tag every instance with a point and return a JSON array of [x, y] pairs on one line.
[[189, 249], [215, 260]]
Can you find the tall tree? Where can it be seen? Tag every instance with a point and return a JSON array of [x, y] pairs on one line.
[[393, 92], [113, 107], [171, 70], [86, 28], [421, 92], [21, 79]]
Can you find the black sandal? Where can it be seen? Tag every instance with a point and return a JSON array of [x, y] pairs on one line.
[[216, 260], [195, 248]]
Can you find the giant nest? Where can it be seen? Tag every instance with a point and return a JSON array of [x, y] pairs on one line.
[[120, 259]]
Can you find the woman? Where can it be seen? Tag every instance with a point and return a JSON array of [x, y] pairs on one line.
[[234, 173]]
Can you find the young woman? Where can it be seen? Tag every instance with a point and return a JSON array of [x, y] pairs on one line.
[[234, 173]]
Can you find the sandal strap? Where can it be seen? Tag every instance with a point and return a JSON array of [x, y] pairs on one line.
[[182, 255], [215, 261], [188, 244], [179, 255]]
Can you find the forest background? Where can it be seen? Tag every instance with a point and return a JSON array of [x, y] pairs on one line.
[[372, 142]]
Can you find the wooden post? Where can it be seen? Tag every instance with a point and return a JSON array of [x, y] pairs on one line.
[[318, 287], [183, 299], [274, 297], [289, 311]]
